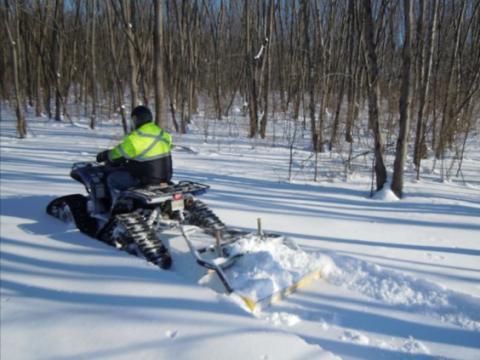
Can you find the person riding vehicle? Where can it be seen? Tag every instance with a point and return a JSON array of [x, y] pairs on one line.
[[142, 158]]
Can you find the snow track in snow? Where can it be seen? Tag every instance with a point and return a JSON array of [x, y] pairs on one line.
[[407, 292]]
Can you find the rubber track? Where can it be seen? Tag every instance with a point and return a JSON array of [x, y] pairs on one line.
[[106, 232], [200, 215], [203, 217], [139, 233], [78, 207], [137, 230]]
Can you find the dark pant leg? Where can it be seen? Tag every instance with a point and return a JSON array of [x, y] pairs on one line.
[[119, 181]]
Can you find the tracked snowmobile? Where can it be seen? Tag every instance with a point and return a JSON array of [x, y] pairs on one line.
[[135, 220]]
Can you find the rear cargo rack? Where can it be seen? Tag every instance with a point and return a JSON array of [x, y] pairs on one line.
[[157, 193]]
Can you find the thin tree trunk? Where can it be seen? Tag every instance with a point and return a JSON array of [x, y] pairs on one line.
[[268, 67], [251, 90], [170, 71], [216, 29], [132, 62], [118, 82], [14, 41], [419, 150], [57, 57], [341, 91], [38, 87], [402, 142], [354, 50], [158, 64], [310, 80], [373, 111], [93, 67], [450, 97]]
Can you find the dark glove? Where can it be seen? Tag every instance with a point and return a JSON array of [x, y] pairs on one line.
[[103, 156]]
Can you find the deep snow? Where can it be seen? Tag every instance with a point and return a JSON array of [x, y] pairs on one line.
[[404, 280]]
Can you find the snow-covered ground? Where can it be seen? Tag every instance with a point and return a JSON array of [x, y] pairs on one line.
[[403, 280]]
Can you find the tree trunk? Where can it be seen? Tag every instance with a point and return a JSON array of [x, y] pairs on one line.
[[57, 58], [402, 142], [14, 39], [451, 93], [118, 81], [352, 67], [310, 80], [132, 62], [343, 67], [267, 67], [93, 67], [38, 87], [251, 84], [170, 69], [372, 89], [419, 150], [158, 64]]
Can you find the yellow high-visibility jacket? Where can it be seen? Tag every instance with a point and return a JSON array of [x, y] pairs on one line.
[[149, 142], [148, 153]]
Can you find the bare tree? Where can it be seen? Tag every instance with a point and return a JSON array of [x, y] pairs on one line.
[[250, 71], [340, 70], [13, 30], [373, 106], [310, 76], [126, 15], [353, 71], [158, 67], [57, 57], [216, 23], [402, 141], [116, 71], [93, 66], [451, 93], [316, 61], [425, 63], [267, 65]]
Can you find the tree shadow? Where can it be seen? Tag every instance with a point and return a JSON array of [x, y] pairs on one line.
[[392, 265], [113, 300], [19, 257], [184, 347], [348, 313], [355, 351], [377, 244], [325, 201]]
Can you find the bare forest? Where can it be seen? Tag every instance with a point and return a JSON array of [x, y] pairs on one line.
[[413, 67]]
